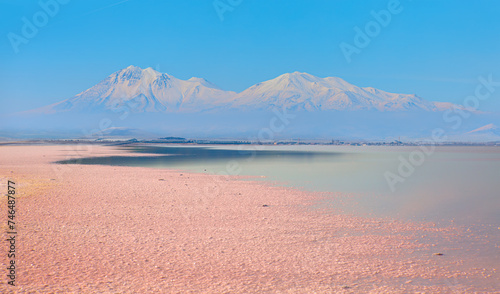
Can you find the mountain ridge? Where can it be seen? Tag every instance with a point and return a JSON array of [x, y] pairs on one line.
[[486, 128], [147, 90], [486, 133]]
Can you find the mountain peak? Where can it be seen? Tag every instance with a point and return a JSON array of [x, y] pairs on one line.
[[297, 75], [303, 91], [152, 91], [301, 74], [136, 75], [303, 79], [138, 70], [151, 70], [488, 127], [204, 82], [133, 67]]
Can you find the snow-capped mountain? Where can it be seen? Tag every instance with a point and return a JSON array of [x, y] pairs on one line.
[[302, 91], [487, 129], [487, 133], [146, 90]]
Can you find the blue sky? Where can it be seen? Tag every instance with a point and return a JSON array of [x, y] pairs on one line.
[[436, 49]]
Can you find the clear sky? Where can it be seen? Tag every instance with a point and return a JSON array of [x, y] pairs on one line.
[[435, 49]]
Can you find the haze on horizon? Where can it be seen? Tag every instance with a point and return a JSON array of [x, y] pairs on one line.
[[436, 50], [144, 103]]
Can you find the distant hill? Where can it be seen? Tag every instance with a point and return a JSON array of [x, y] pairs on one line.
[[146, 104], [147, 90]]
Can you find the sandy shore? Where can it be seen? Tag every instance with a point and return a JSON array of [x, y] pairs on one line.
[[111, 229]]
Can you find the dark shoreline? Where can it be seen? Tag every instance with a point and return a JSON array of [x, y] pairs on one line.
[[222, 142]]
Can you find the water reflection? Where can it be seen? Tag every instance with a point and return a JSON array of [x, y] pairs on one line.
[[459, 184], [173, 156]]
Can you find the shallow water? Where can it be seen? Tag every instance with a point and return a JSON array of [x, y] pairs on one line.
[[453, 183], [452, 186]]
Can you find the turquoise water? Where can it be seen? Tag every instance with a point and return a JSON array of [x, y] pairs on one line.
[[459, 184], [452, 187]]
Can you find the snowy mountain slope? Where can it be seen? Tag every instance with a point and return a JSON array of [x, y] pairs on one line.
[[302, 91], [487, 129], [146, 90], [487, 133]]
